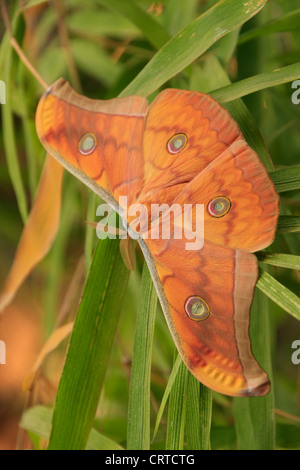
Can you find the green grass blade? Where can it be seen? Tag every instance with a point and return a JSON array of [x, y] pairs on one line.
[[89, 349], [280, 294], [152, 30], [179, 13], [192, 42], [33, 3], [90, 233], [9, 137], [192, 430], [31, 142], [205, 417], [166, 394], [38, 420], [98, 441], [258, 82], [286, 22], [177, 410], [199, 415], [138, 435], [288, 224], [254, 416], [29, 132], [281, 260], [286, 179]]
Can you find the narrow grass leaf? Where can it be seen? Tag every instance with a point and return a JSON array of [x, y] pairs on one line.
[[177, 410], [33, 3], [38, 421], [9, 137], [254, 416], [166, 394], [226, 46], [98, 441], [178, 13], [288, 224], [192, 42], [152, 30], [286, 179], [31, 141], [199, 415], [287, 22], [280, 294], [90, 347], [258, 82], [90, 233], [138, 435], [31, 152], [192, 430], [281, 260], [205, 408]]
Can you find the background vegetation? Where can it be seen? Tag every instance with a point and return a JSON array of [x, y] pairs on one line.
[[119, 384]]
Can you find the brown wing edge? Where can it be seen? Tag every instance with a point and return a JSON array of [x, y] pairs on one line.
[[133, 105], [256, 378]]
